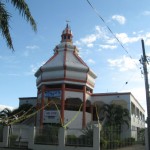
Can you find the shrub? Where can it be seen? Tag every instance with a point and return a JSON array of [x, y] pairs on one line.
[[103, 143], [130, 141], [71, 139], [12, 140]]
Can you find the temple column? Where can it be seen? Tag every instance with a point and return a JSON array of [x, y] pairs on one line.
[[37, 107], [42, 105], [84, 108], [62, 103], [91, 111]]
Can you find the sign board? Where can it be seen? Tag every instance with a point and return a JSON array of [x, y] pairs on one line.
[[51, 116], [56, 93]]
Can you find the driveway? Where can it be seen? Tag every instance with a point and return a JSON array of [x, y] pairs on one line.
[[134, 147]]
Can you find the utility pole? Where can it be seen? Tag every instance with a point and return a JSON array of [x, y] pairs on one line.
[[144, 62]]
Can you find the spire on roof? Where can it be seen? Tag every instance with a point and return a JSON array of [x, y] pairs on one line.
[[66, 34]]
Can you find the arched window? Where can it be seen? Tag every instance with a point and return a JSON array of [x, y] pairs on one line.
[[73, 104]]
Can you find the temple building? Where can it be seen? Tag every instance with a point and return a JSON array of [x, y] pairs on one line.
[[65, 87]]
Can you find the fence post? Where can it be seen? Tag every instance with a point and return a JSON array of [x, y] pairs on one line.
[[61, 138], [96, 138], [31, 137], [146, 139], [6, 136]]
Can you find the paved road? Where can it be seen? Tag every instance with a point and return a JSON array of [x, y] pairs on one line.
[[134, 147]]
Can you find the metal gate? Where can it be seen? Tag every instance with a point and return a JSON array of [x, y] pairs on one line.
[[114, 138], [18, 136]]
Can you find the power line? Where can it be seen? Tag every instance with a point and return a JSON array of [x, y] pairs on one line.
[[121, 44], [127, 81]]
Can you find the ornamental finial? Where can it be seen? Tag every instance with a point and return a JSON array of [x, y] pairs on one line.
[[67, 21]]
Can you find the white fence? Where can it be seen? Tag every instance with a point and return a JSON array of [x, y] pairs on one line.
[[29, 137], [25, 137]]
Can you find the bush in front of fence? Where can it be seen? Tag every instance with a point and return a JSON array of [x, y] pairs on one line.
[[71, 139], [47, 135], [46, 140], [12, 140], [129, 141], [82, 140], [110, 144]]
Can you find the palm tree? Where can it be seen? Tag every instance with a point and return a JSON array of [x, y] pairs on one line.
[[7, 116], [114, 115], [5, 16], [4, 114]]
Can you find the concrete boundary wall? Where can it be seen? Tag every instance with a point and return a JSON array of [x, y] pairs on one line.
[[5, 137], [61, 139]]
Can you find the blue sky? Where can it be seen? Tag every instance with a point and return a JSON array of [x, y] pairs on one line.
[[129, 21]]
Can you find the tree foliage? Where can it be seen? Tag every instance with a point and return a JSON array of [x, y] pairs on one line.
[[7, 116], [114, 115], [5, 16]]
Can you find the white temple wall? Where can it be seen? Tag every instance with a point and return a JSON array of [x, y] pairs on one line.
[[90, 79], [38, 79], [75, 75], [77, 122], [53, 74]]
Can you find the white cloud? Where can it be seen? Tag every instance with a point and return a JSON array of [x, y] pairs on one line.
[[90, 45], [146, 38], [123, 37], [108, 46], [123, 64], [111, 41], [101, 32], [77, 43], [91, 61], [32, 47], [4, 106], [89, 40], [147, 42], [146, 13], [119, 18], [34, 68], [136, 33], [147, 35]]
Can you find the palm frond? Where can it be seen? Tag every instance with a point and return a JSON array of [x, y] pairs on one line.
[[4, 25], [23, 8]]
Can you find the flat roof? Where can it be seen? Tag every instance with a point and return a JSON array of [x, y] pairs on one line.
[[27, 98]]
